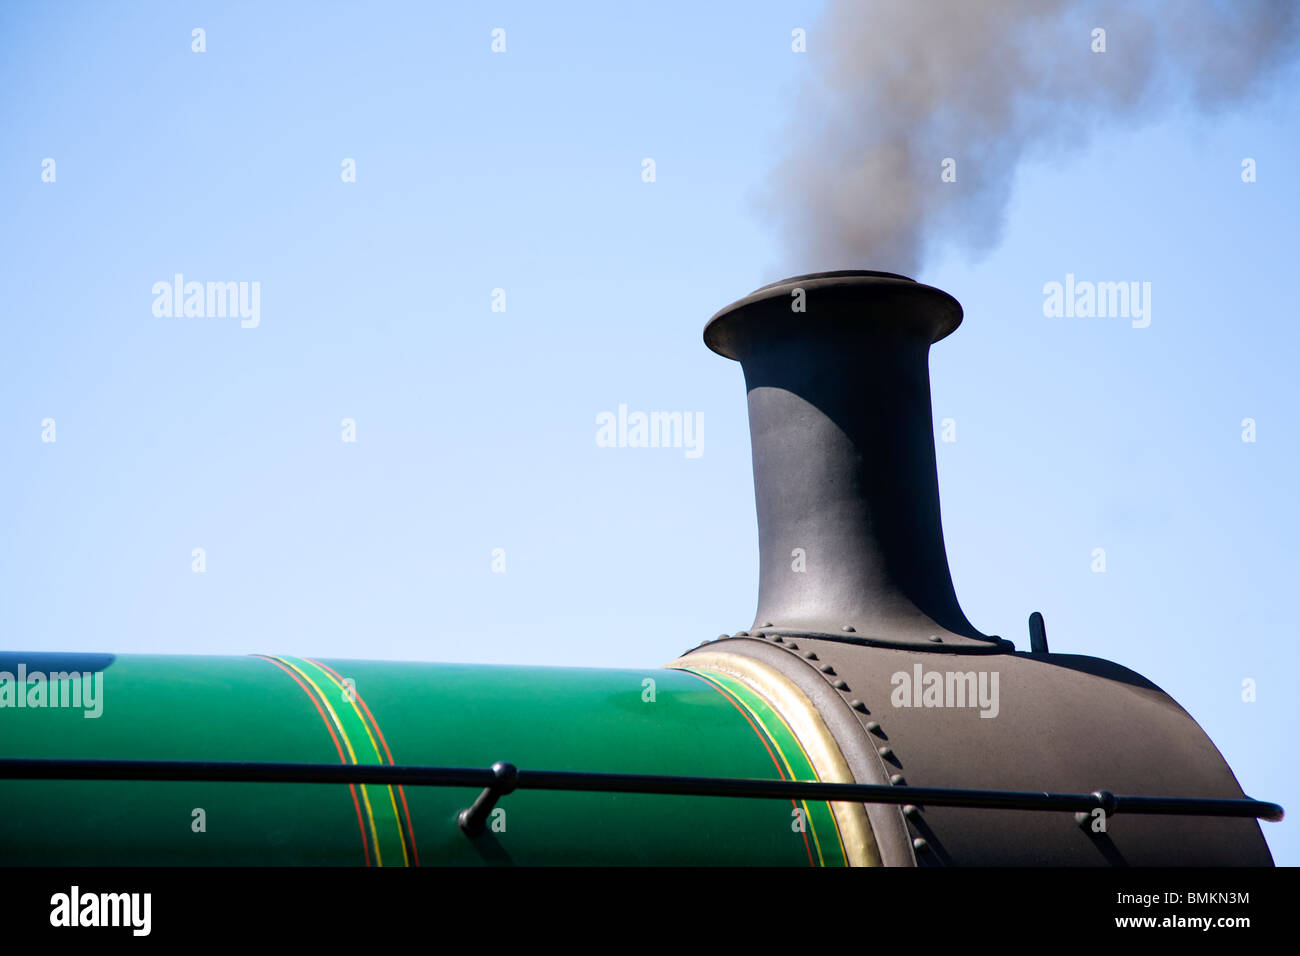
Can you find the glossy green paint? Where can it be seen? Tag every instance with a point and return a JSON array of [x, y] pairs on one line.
[[221, 708]]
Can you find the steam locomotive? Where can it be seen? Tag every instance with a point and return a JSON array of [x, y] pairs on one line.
[[860, 720]]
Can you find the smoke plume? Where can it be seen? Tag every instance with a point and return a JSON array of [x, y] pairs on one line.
[[900, 86]]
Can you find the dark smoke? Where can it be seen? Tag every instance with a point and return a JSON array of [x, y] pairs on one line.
[[901, 85]]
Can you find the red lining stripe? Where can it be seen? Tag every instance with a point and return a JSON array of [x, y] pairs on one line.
[[365, 844], [374, 723]]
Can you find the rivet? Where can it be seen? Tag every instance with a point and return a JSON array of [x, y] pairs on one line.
[[760, 635], [896, 779], [742, 634], [766, 624], [873, 727], [811, 655], [886, 752], [840, 685], [720, 637], [827, 669], [848, 628], [936, 638], [911, 811], [792, 645], [779, 639], [858, 705], [920, 843]]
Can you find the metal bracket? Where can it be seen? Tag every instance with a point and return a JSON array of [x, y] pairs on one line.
[[1106, 803], [473, 820]]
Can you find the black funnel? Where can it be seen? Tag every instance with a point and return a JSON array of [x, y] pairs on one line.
[[850, 537]]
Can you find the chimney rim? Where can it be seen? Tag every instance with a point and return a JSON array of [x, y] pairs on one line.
[[942, 310], [835, 274]]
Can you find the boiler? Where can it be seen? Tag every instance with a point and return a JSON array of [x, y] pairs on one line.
[[860, 719]]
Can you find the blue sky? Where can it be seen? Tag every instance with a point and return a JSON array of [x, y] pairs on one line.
[[476, 429]]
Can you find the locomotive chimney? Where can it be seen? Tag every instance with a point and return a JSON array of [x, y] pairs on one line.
[[850, 537]]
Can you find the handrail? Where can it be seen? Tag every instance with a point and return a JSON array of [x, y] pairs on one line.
[[491, 779]]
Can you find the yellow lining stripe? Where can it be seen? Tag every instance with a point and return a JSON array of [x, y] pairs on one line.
[[798, 743], [374, 746], [852, 823], [351, 753], [821, 859]]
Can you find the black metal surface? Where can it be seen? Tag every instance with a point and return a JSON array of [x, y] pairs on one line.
[[1064, 724], [503, 778], [844, 461], [854, 572]]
